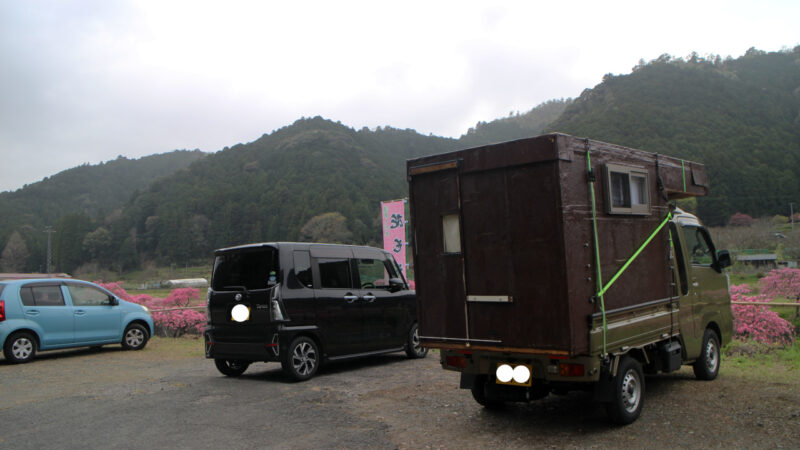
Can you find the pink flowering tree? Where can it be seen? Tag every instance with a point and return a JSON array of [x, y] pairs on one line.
[[781, 283], [758, 322], [175, 320]]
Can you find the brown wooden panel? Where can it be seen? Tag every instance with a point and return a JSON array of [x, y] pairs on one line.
[[440, 292]]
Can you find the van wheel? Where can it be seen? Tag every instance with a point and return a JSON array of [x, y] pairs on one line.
[[135, 337], [20, 348], [414, 349], [301, 360], [707, 365], [231, 367], [628, 400], [479, 394]]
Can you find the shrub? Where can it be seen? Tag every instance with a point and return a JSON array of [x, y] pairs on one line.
[[758, 322], [172, 323]]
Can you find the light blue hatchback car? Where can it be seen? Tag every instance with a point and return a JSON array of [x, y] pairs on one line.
[[49, 314]]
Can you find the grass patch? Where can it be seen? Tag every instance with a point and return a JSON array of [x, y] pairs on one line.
[[754, 361], [177, 348]]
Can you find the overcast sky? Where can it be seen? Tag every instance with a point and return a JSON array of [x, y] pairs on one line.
[[86, 81]]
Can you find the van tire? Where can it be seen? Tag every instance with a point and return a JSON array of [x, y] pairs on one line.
[[628, 401], [135, 337], [479, 394], [301, 360], [231, 367], [707, 365], [20, 347], [414, 349]]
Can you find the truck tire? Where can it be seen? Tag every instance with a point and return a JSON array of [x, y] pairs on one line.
[[707, 365], [479, 394], [628, 400]]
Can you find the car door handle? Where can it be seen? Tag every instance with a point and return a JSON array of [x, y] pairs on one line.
[[80, 312], [369, 298], [32, 312], [350, 298]]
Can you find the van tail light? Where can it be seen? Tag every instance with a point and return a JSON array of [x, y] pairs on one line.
[[2, 310], [276, 310]]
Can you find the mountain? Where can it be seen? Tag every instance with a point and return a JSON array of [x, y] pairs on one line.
[[268, 189], [90, 190], [739, 117], [531, 123]]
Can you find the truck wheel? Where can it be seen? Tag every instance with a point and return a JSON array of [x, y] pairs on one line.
[[628, 400], [413, 347], [231, 367], [707, 365], [301, 360], [479, 394]]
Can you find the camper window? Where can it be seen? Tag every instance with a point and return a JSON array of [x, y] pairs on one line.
[[451, 229], [627, 189]]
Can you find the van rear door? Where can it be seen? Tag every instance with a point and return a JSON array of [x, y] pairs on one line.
[[243, 276]]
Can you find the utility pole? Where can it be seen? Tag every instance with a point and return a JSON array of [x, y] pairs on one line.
[[49, 230], [791, 214]]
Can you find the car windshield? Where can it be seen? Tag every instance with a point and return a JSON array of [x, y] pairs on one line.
[[249, 269]]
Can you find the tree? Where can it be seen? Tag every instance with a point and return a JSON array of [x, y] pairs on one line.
[[14, 255], [741, 220], [330, 227], [97, 245]]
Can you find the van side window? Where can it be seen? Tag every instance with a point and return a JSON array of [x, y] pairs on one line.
[[374, 273], [42, 296], [700, 251], [627, 190], [302, 268], [334, 273]]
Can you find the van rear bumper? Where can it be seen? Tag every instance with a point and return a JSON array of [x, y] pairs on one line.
[[216, 348]]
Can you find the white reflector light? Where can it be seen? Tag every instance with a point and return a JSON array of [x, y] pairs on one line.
[[521, 374], [504, 373], [240, 313]]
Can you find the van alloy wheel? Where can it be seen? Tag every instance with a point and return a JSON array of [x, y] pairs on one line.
[[302, 359], [414, 348]]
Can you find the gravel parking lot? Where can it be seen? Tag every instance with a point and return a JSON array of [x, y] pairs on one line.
[[168, 398]]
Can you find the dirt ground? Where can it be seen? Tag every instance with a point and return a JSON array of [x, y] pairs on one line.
[[114, 398]]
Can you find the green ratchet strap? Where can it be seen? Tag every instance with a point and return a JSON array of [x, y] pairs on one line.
[[601, 289], [599, 276], [635, 255], [683, 169]]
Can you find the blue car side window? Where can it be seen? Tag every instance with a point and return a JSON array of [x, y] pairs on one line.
[[47, 296]]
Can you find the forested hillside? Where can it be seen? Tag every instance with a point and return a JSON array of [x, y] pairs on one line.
[[320, 180], [740, 117], [86, 192]]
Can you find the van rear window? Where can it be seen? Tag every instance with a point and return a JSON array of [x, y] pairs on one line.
[[249, 269]]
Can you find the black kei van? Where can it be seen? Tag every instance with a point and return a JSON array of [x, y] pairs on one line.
[[305, 304]]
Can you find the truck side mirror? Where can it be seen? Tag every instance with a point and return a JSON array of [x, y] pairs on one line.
[[396, 284], [723, 260]]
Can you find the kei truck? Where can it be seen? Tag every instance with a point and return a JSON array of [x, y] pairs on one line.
[[556, 263]]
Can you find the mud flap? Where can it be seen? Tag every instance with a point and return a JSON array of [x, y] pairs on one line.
[[467, 380], [604, 389]]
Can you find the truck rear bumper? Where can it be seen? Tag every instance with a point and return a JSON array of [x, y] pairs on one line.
[[544, 368]]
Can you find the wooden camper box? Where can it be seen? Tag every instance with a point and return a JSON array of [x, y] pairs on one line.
[[503, 242]]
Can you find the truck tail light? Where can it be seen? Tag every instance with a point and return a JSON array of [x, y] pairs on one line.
[[571, 370], [456, 361], [2, 310]]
